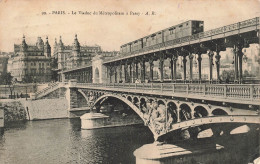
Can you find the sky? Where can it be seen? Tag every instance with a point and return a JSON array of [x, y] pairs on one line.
[[25, 17]]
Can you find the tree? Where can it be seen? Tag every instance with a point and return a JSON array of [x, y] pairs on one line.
[[7, 80], [27, 79]]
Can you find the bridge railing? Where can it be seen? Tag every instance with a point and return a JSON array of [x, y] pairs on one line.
[[235, 91], [50, 88]]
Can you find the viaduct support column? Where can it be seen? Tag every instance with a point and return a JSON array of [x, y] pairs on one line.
[[218, 65], [120, 72], [184, 60], [143, 70], [175, 58], [151, 69], [132, 71], [171, 67], [210, 54], [240, 59], [199, 65], [235, 51], [126, 72], [191, 66], [161, 65], [110, 74], [136, 69], [115, 72]]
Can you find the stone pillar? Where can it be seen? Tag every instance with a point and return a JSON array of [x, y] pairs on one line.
[[151, 69], [161, 66], [217, 62], [143, 70], [210, 54], [191, 66], [199, 65], [184, 60]]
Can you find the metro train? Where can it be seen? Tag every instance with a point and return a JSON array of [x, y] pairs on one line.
[[187, 28]]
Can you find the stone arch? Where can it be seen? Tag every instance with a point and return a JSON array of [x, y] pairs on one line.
[[200, 111], [219, 112], [185, 112], [97, 75]]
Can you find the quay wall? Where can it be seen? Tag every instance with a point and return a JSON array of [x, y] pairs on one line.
[[46, 108]]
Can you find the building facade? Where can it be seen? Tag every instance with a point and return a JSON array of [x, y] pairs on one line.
[[3, 62], [75, 55], [31, 63]]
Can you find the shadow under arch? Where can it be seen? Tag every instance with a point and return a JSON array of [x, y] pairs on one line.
[[129, 103], [185, 112], [219, 111], [200, 111], [82, 99], [172, 112]]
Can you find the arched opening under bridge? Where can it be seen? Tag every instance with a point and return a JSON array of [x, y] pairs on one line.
[[200, 111], [185, 112]]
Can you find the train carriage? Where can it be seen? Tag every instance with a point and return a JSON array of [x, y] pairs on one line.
[[184, 29]]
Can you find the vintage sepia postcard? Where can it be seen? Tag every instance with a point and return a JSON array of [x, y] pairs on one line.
[[129, 81]]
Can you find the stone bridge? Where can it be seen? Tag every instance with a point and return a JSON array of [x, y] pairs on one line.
[[169, 108]]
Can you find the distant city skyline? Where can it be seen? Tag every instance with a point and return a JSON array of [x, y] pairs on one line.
[[25, 17]]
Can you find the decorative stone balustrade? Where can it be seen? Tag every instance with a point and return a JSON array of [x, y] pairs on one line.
[[47, 90], [228, 91]]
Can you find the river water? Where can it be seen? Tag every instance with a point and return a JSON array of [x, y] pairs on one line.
[[62, 141]]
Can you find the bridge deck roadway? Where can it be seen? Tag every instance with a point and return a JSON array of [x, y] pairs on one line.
[[162, 93]]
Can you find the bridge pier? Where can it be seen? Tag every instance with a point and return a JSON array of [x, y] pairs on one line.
[[167, 153]]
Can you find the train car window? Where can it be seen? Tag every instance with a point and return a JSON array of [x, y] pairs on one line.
[[187, 24], [180, 26]]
